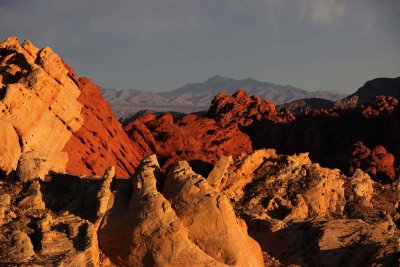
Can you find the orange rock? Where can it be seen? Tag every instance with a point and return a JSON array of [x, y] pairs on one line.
[[53, 121]]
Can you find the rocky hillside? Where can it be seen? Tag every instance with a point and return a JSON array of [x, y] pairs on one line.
[[197, 96], [54, 121]]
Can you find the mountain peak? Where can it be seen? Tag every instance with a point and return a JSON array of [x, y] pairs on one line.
[[219, 78]]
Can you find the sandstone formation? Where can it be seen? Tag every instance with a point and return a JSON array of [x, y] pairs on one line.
[[51, 223], [303, 214], [332, 136], [328, 135], [241, 108], [302, 105], [53, 121], [201, 141], [251, 210], [238, 123], [170, 229]]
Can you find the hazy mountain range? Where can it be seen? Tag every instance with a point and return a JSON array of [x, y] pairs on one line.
[[197, 96]]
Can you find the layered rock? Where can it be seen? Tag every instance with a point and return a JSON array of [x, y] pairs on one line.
[[53, 121]]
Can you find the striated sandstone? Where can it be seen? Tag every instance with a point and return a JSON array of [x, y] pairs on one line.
[[31, 103], [54, 121], [10, 151], [19, 248]]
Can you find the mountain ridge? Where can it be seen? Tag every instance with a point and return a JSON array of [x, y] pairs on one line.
[[196, 96]]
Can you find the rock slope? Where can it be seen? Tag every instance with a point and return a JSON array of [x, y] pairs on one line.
[[53, 121]]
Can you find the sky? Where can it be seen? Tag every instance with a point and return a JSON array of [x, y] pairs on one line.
[[159, 45]]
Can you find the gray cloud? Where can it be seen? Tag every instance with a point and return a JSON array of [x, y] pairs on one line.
[[159, 45]]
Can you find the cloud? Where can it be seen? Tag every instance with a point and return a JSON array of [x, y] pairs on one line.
[[145, 17], [322, 11]]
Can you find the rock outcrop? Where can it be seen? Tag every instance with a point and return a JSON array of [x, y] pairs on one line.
[[334, 137], [52, 223], [241, 108], [53, 121], [304, 214], [199, 140], [239, 123], [189, 224]]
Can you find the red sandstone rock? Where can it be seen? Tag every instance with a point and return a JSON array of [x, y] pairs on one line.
[[241, 108], [377, 163], [101, 140], [201, 141], [329, 135]]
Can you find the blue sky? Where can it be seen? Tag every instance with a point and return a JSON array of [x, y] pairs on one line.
[[161, 45]]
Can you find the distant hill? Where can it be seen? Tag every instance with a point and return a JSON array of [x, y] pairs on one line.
[[131, 117], [372, 88], [197, 96], [297, 106]]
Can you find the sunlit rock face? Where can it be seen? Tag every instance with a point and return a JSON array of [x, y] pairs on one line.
[[53, 121]]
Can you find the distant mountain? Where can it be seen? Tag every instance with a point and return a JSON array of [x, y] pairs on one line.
[[131, 117], [197, 96], [372, 88]]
